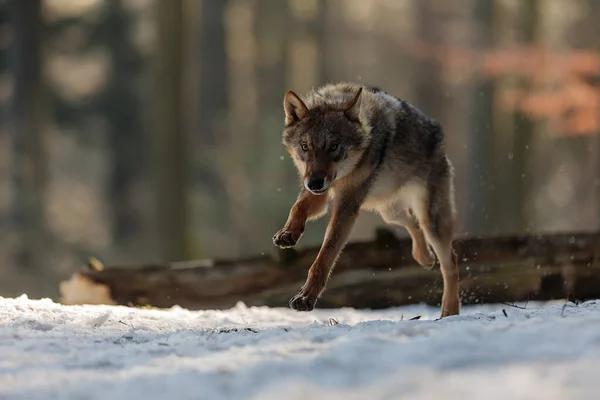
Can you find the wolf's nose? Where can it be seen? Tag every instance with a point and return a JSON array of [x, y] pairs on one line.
[[315, 184]]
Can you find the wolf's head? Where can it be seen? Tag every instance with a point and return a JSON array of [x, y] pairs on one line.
[[326, 140]]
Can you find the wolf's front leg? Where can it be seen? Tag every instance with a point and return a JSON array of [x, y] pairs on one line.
[[307, 207], [345, 212]]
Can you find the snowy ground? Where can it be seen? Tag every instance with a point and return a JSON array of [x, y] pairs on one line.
[[49, 351]]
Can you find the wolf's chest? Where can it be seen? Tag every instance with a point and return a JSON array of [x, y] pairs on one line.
[[388, 190]]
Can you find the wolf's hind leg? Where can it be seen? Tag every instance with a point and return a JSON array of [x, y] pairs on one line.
[[397, 215], [437, 217]]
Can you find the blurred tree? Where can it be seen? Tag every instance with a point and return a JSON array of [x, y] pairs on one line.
[[304, 31], [4, 35], [318, 27], [528, 20], [308, 29], [272, 28], [171, 149], [213, 112], [576, 150], [429, 91], [120, 104], [595, 16], [581, 143], [4, 43], [213, 85], [28, 124], [481, 173]]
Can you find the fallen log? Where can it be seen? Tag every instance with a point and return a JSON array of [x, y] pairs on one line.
[[375, 274]]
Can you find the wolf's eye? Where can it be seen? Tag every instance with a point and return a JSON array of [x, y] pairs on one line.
[[304, 147], [333, 147]]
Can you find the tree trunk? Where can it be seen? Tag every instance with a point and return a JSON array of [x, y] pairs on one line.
[[273, 26], [595, 12], [120, 106], [30, 159], [429, 86], [5, 39], [171, 154], [213, 111], [481, 169], [522, 132], [376, 274], [213, 85]]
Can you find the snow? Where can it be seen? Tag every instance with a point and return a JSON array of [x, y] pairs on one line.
[[545, 351]]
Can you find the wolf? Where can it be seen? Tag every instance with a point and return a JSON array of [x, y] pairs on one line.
[[360, 148]]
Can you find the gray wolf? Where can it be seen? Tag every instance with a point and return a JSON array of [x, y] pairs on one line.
[[360, 148]]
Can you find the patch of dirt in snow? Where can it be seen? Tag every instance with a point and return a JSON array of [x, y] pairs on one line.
[[50, 351]]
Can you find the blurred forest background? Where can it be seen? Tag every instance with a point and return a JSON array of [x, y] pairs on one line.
[[148, 130]]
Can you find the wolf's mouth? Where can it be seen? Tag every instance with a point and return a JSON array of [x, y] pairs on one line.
[[318, 192], [324, 186]]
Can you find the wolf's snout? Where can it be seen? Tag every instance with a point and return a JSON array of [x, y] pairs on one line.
[[316, 185]]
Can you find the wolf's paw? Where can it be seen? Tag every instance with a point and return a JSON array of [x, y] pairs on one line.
[[424, 257], [450, 305], [301, 302], [286, 238]]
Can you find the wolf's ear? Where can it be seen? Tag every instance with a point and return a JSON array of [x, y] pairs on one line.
[[295, 109], [352, 107]]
